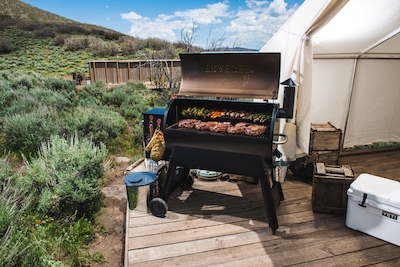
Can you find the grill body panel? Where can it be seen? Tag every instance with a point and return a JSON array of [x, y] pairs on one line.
[[224, 142]]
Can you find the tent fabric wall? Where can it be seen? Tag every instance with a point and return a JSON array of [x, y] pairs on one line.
[[335, 77], [296, 48], [345, 56], [375, 103]]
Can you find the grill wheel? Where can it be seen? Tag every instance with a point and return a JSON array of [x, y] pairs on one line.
[[158, 207]]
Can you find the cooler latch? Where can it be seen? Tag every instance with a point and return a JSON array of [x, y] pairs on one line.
[[362, 204]]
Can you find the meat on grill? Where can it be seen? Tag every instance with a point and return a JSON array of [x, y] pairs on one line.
[[187, 123], [223, 127], [239, 128], [255, 129], [204, 125], [220, 127]]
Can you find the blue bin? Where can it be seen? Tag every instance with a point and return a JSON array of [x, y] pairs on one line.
[[135, 180]]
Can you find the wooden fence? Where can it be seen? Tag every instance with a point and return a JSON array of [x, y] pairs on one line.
[[154, 73]]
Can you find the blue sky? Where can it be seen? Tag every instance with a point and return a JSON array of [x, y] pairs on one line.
[[246, 23]]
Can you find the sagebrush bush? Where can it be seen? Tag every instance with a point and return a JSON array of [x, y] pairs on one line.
[[15, 246], [75, 43], [100, 48], [54, 101], [59, 40], [129, 46], [64, 178], [71, 28], [98, 124], [128, 100], [59, 85], [45, 32], [25, 132], [96, 89], [5, 171], [26, 94], [25, 81], [6, 46]]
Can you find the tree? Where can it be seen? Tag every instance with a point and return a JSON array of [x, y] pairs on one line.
[[188, 35]]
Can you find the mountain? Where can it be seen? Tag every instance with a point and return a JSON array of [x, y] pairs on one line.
[[12, 10], [19, 9]]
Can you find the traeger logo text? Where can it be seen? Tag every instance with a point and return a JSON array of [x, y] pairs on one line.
[[210, 68], [389, 215]]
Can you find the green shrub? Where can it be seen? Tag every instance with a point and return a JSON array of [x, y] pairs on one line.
[[71, 28], [6, 46], [99, 124], [5, 172], [53, 101], [103, 49], [59, 40], [25, 132], [157, 44], [127, 99], [64, 241], [96, 89], [86, 100], [64, 178], [25, 81], [129, 45], [59, 85], [45, 32], [75, 43], [15, 246]]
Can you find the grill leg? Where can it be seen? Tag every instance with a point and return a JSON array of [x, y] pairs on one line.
[[167, 185], [270, 202], [175, 177]]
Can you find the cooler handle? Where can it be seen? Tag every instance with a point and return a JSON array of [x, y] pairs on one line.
[[362, 204]]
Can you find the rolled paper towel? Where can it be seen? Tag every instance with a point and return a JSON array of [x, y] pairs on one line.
[[289, 148]]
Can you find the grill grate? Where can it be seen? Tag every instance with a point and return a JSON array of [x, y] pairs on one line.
[[174, 127]]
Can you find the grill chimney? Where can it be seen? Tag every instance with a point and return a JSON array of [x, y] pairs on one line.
[[288, 100]]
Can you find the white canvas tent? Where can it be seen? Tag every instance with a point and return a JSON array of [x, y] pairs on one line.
[[345, 56]]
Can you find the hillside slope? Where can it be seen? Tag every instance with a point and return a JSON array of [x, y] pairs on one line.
[[19, 9], [32, 39]]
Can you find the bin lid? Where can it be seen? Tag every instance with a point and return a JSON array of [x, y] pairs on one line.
[[155, 111], [377, 188], [137, 179]]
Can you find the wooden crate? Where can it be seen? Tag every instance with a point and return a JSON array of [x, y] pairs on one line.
[[325, 137], [330, 184], [327, 157]]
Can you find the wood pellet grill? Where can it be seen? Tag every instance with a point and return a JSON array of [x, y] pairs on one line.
[[244, 76]]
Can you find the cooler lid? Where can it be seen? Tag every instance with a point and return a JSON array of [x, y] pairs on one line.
[[236, 75], [380, 189]]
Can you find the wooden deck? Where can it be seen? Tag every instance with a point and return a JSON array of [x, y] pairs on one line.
[[223, 223]]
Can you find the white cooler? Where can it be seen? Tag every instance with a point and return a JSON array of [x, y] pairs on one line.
[[373, 207]]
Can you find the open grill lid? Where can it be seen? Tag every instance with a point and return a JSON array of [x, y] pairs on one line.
[[235, 75]]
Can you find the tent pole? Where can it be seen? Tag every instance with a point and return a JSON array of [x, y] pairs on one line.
[[353, 78]]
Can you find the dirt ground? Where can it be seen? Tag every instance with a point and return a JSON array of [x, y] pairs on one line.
[[111, 241]]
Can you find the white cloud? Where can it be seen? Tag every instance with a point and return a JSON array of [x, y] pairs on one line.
[[169, 26], [251, 26], [211, 14], [131, 16]]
